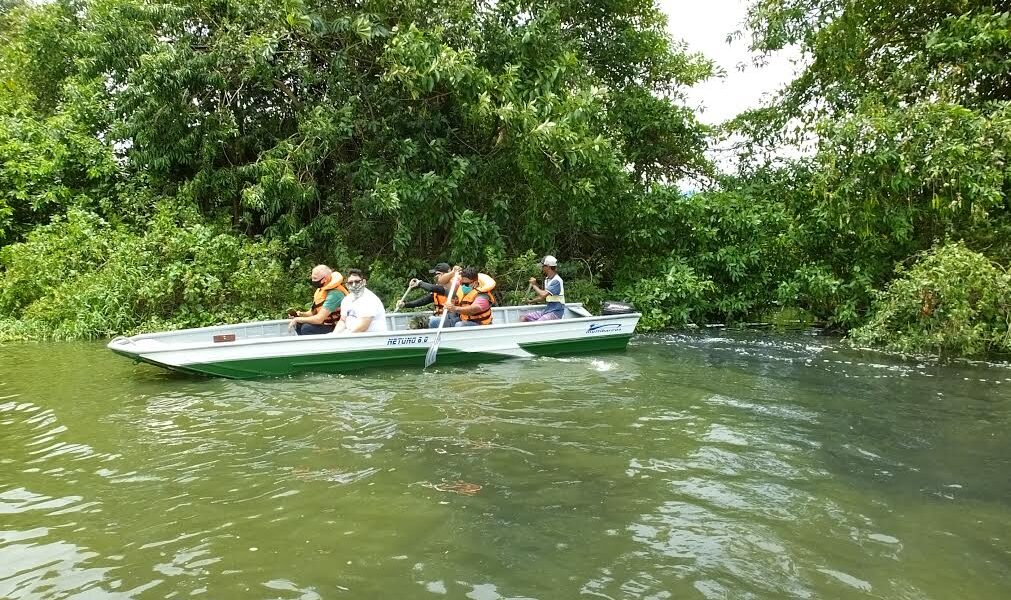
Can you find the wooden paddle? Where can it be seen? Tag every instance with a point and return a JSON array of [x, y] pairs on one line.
[[430, 357], [402, 298]]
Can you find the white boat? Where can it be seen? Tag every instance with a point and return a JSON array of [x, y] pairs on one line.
[[269, 349]]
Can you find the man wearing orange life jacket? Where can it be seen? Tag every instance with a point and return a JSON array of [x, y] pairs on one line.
[[436, 296], [438, 290], [485, 284], [471, 304], [326, 301]]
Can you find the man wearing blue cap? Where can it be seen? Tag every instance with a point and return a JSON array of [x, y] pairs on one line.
[[553, 292]]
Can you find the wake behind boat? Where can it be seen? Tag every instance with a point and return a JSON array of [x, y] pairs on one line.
[[269, 349]]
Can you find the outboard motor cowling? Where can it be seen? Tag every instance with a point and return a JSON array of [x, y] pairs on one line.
[[611, 307]]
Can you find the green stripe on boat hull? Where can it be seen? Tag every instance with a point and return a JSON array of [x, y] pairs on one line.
[[596, 343], [336, 362], [345, 362]]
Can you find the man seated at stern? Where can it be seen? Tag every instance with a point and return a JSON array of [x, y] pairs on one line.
[[553, 292]]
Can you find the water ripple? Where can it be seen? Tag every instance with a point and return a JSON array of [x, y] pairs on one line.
[[694, 465]]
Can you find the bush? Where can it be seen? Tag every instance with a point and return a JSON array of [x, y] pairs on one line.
[[727, 248], [82, 278], [953, 302], [671, 299]]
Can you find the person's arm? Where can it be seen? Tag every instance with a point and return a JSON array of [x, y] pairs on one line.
[[479, 306], [361, 324], [433, 287], [315, 319], [342, 323], [294, 312], [330, 305], [541, 294], [422, 301], [308, 317], [446, 278], [366, 310]]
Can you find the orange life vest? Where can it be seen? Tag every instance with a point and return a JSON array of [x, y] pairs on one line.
[[485, 285], [319, 297], [467, 299], [439, 301]]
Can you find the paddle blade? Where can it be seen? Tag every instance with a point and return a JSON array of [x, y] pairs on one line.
[[434, 350], [432, 353]]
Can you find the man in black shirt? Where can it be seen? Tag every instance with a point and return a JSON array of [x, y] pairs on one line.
[[437, 295]]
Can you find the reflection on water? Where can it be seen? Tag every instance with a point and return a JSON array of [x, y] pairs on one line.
[[726, 465]]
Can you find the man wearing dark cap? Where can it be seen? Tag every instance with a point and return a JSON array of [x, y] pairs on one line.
[[437, 295]]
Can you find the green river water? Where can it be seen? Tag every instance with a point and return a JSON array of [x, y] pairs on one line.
[[709, 465]]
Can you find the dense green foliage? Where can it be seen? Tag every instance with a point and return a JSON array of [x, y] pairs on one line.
[[167, 163], [386, 132], [907, 107], [952, 302], [79, 277]]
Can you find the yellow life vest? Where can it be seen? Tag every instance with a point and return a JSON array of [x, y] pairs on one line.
[[319, 297], [551, 297]]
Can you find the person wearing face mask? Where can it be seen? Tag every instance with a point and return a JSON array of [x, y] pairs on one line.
[[361, 310], [470, 303], [326, 302], [485, 283]]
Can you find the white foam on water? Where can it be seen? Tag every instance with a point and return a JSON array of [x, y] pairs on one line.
[[848, 579]]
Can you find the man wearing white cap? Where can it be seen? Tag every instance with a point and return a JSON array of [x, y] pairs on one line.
[[553, 292]]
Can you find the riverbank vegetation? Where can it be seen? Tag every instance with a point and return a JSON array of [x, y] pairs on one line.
[[174, 164]]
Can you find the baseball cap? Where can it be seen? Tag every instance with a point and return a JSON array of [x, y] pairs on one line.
[[549, 261], [440, 268]]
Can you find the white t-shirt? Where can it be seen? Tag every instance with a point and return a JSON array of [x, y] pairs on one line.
[[368, 305]]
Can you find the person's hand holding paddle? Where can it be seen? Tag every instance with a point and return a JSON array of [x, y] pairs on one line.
[[410, 286], [434, 349]]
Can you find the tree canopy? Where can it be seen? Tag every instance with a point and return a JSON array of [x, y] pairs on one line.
[[390, 133], [398, 128]]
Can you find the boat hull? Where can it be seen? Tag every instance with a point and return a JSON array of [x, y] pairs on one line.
[[266, 349]]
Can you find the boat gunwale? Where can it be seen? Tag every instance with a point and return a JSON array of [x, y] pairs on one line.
[[124, 343]]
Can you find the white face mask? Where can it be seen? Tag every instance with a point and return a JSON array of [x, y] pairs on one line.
[[356, 288]]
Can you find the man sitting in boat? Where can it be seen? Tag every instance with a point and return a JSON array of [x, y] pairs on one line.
[[326, 302], [470, 303], [436, 296], [553, 292], [361, 310]]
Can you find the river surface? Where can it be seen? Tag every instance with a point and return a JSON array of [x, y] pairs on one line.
[[708, 465]]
